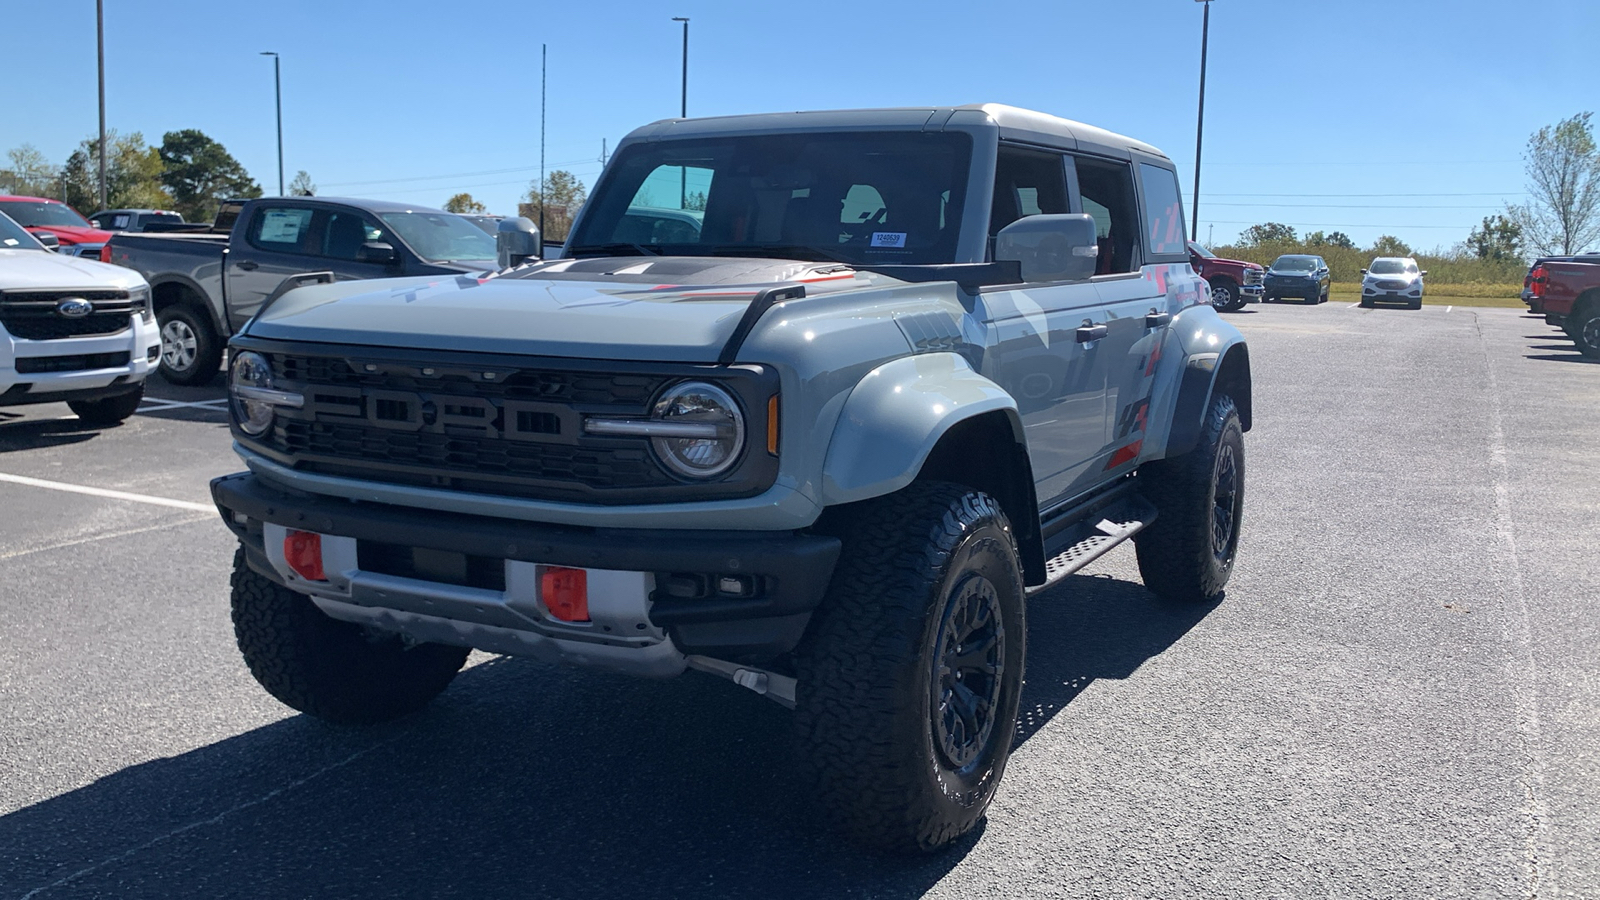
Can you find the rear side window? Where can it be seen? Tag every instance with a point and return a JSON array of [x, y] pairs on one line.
[[1163, 211], [280, 229], [1027, 183]]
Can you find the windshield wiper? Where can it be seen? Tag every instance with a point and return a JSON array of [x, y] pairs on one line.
[[613, 249], [796, 251]]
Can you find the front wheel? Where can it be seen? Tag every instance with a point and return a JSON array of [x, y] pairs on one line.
[[108, 410], [337, 671], [1584, 326], [1187, 553], [191, 352], [1225, 296], [910, 676]]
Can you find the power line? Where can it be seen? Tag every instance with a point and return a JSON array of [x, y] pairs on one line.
[[1338, 225], [1343, 206], [570, 162], [1473, 194]]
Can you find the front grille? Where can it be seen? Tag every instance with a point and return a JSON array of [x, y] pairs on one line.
[[1253, 276], [27, 365], [32, 315], [1394, 285]]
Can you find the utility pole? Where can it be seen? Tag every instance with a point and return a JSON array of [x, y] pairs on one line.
[[1200, 119], [544, 57], [100, 41], [277, 86], [683, 111]]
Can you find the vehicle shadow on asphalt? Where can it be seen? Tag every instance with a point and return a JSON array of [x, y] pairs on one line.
[[36, 434], [528, 779], [1091, 627], [1564, 357]]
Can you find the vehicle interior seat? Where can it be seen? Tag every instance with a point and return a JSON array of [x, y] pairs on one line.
[[346, 234]]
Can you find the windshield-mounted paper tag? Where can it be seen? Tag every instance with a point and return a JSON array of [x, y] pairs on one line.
[[888, 239]]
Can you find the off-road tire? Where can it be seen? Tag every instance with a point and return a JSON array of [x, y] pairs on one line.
[[107, 411], [1226, 290], [870, 678], [180, 326], [1181, 555], [334, 670]]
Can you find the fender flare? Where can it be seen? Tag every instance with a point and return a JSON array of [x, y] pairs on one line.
[[894, 418], [205, 300], [1202, 374]]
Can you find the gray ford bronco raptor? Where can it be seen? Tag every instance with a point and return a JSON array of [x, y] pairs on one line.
[[812, 402]]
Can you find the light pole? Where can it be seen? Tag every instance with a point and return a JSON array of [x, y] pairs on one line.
[[683, 110], [1200, 119], [277, 86], [100, 46], [544, 199]]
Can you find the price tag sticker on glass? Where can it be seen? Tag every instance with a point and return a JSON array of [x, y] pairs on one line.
[[888, 239]]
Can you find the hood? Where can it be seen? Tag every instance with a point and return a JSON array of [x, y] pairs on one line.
[[74, 234], [680, 309], [34, 270], [1235, 262]]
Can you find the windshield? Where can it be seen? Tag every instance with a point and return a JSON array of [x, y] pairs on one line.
[[1388, 267], [37, 214], [1200, 251], [14, 237], [1294, 264], [859, 198], [440, 237]]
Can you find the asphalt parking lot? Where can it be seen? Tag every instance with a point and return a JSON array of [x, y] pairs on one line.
[[1399, 695]]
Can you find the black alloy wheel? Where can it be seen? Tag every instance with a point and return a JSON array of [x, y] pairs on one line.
[[969, 665]]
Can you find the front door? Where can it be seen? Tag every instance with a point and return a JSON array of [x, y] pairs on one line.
[[288, 240]]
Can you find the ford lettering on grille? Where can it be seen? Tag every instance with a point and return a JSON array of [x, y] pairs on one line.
[[486, 417]]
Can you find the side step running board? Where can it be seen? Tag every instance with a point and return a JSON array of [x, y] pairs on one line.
[[1087, 541]]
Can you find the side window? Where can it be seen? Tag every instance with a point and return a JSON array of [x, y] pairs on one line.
[[1027, 183], [1163, 211], [280, 229], [345, 232], [1106, 187]]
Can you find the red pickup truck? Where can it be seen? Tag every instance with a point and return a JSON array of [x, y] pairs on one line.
[[1234, 282], [1567, 290]]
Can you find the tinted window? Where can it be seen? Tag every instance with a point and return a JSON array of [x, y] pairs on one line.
[[1027, 183], [280, 229], [1107, 192], [36, 214], [1294, 264], [14, 237], [346, 231], [1163, 210], [882, 198]]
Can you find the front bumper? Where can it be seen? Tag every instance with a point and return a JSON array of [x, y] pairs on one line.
[[80, 368], [1296, 288], [667, 581]]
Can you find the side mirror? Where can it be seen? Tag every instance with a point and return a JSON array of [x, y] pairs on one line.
[[1423, 272], [50, 241], [1050, 247], [517, 240], [1363, 271], [377, 252]]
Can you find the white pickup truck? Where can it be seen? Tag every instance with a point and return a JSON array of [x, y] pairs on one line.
[[72, 329]]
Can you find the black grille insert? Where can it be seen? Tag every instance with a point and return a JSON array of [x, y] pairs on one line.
[[33, 315], [32, 364]]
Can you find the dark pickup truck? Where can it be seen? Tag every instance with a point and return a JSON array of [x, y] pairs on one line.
[[1566, 289], [207, 285]]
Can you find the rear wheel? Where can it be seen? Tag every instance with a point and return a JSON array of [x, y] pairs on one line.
[[1584, 326], [337, 671], [108, 410], [911, 673], [191, 352], [1187, 553]]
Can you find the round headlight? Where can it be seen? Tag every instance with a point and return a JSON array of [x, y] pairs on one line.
[[250, 370], [709, 449]]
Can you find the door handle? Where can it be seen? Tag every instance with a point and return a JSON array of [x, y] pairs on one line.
[[1155, 319], [248, 265], [1089, 333]]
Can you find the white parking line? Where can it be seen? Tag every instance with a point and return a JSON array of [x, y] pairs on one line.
[[1354, 305], [1448, 308], [158, 404], [104, 492]]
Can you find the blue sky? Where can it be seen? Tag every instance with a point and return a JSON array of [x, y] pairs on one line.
[[1312, 108]]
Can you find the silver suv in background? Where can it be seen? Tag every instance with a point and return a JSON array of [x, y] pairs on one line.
[[1392, 279]]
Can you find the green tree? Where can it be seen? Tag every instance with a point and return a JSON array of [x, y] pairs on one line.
[[696, 200], [566, 195], [1562, 215], [133, 175], [1389, 245], [463, 203], [29, 175], [1341, 240], [201, 173], [1498, 238], [1267, 233], [301, 186]]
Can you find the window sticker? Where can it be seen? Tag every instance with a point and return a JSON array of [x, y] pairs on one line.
[[12, 242], [281, 227], [889, 239]]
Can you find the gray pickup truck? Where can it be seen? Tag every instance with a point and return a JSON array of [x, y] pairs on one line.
[[207, 285], [910, 366]]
